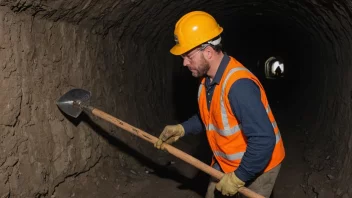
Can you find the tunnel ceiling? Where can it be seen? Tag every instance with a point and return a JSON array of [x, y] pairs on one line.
[[149, 18], [321, 30], [320, 39]]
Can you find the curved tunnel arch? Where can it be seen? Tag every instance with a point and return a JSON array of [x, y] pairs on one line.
[[313, 37]]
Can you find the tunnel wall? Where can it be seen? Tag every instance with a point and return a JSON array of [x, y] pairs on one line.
[[46, 153], [40, 61], [121, 58], [326, 101]]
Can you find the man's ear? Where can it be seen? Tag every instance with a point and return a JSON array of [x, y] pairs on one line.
[[209, 52]]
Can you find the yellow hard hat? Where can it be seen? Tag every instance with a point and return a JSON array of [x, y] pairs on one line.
[[193, 29]]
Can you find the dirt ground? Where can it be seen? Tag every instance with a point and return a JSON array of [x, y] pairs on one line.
[[290, 183]]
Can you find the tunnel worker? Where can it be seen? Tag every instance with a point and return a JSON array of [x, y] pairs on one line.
[[233, 112]]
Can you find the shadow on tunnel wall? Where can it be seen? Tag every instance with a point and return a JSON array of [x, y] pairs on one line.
[[184, 91], [185, 104], [163, 171]]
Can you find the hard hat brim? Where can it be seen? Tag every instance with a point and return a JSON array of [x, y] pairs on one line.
[[179, 50]]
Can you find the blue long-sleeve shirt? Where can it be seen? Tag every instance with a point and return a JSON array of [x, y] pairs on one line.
[[245, 101]]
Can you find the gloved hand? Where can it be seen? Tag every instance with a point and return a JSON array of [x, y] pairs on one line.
[[170, 134], [229, 184]]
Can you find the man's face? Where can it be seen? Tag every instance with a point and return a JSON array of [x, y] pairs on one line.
[[196, 62]]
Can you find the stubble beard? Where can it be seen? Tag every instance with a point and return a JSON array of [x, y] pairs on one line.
[[203, 68]]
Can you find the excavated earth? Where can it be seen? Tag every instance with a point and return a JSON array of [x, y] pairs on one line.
[[119, 50]]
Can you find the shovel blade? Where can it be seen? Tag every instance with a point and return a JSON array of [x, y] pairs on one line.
[[77, 96]]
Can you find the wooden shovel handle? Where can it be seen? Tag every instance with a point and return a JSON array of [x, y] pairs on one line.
[[174, 151]]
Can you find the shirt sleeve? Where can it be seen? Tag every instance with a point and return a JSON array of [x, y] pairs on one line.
[[193, 125], [246, 104]]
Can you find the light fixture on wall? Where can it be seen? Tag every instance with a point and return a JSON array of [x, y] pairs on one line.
[[274, 68]]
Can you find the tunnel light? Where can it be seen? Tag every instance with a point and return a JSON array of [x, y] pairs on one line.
[[274, 68]]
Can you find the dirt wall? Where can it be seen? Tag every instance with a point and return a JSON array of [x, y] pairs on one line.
[[44, 152]]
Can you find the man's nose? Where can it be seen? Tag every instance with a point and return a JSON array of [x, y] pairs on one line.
[[186, 62]]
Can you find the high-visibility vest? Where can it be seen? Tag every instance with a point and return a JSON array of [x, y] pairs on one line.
[[224, 133]]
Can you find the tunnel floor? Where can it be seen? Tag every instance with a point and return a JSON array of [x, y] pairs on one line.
[[119, 51], [291, 182]]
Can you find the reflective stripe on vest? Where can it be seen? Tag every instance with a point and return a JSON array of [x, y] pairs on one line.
[[274, 124], [239, 155], [235, 156], [225, 121], [227, 131], [200, 91], [278, 136]]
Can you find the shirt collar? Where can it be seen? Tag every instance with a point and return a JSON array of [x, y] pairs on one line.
[[217, 78]]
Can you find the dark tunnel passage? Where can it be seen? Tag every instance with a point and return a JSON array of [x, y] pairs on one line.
[[119, 50]]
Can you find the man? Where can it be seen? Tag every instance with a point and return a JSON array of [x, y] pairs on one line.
[[233, 110]]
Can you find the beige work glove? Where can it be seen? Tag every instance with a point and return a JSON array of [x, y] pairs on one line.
[[229, 184], [170, 134]]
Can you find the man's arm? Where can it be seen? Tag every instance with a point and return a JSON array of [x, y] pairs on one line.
[[246, 104], [193, 125]]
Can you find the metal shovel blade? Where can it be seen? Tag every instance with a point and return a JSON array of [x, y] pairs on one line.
[[77, 96]]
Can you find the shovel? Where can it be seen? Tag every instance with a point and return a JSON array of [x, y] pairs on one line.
[[77, 100]]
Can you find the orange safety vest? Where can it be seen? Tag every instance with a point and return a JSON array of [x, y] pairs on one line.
[[224, 133]]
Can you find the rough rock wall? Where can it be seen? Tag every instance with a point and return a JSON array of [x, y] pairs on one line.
[[35, 51], [328, 109], [44, 152]]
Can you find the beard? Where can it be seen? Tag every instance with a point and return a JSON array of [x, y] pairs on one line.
[[202, 69]]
